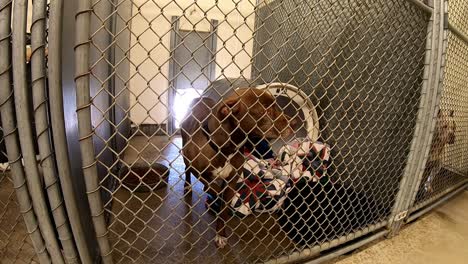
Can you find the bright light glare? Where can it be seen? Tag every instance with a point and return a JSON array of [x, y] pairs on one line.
[[182, 101]]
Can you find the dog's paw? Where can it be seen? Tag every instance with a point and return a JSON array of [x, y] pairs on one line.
[[221, 241]]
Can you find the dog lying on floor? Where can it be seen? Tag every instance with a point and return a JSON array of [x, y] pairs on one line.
[[213, 135], [444, 134]]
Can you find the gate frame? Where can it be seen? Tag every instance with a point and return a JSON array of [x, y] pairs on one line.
[[417, 210]]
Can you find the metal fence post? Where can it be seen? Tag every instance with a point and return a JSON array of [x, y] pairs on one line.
[[21, 94], [58, 127], [423, 132], [41, 110], [11, 136], [83, 105]]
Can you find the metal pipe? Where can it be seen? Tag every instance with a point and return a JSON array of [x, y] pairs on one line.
[[434, 101], [420, 205], [38, 76], [422, 6], [310, 252], [34, 180], [346, 249], [11, 137], [408, 181], [83, 103], [450, 194], [458, 32], [58, 127]]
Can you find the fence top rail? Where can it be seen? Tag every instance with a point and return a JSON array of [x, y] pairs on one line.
[[458, 32]]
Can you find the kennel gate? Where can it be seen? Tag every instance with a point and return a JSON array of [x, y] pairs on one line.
[[451, 179], [344, 54]]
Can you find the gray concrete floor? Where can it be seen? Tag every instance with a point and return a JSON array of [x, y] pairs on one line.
[[438, 237], [165, 226], [161, 226]]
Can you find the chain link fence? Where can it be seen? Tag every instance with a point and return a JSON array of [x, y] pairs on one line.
[[16, 236], [324, 125], [360, 66], [445, 170], [15, 244]]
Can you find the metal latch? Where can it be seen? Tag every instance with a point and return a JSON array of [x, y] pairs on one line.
[[401, 216], [446, 21]]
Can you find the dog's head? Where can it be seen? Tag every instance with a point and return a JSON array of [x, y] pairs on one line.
[[255, 111], [445, 127]]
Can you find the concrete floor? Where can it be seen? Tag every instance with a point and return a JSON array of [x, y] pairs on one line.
[[167, 227], [439, 237]]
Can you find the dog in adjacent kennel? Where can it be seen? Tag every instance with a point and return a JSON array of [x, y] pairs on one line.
[[213, 135], [444, 134]]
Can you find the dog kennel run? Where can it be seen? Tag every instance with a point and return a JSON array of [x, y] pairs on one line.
[[91, 168]]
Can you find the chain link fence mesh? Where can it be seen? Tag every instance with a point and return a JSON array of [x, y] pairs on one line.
[[15, 244], [352, 67], [457, 11], [445, 168], [359, 64]]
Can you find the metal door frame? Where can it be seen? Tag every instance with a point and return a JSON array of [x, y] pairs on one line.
[[175, 40]]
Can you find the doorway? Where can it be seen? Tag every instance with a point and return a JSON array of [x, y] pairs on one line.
[[192, 69]]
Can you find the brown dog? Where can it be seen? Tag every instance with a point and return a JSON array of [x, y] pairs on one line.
[[213, 135], [444, 134]]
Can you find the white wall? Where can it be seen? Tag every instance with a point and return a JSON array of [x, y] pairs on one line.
[[150, 44]]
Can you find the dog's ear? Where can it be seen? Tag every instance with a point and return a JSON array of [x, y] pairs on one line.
[[230, 106], [451, 113]]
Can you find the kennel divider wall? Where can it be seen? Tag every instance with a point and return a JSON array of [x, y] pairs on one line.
[[371, 91]]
